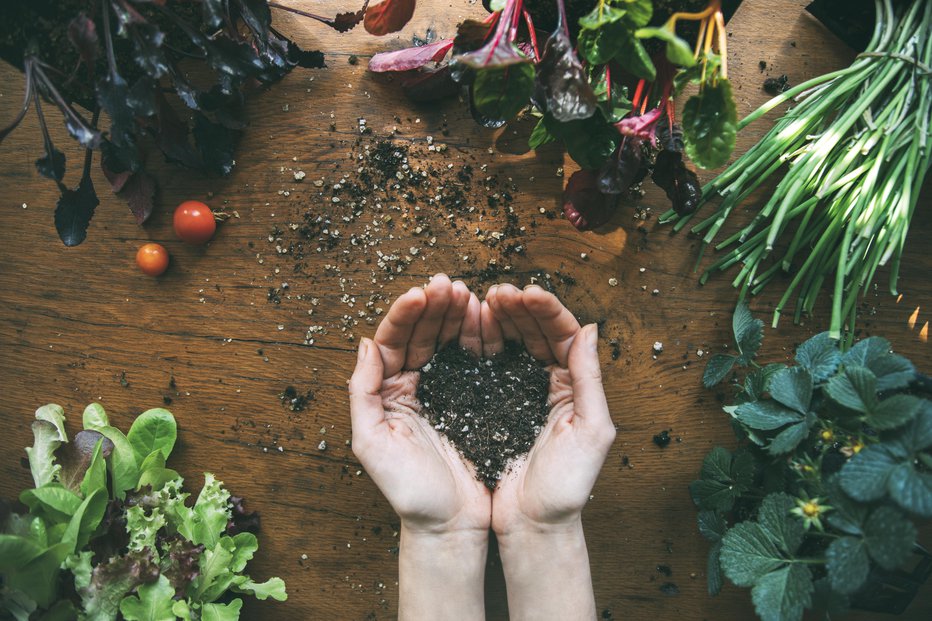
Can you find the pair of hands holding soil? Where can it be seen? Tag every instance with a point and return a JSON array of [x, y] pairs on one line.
[[445, 511]]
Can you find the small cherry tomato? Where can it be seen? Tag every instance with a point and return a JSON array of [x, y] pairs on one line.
[[194, 222], [152, 259]]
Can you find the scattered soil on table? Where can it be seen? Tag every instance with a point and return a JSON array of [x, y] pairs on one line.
[[491, 409], [775, 86], [662, 439]]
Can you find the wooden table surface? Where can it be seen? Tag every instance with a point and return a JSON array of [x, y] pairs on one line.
[[82, 324]]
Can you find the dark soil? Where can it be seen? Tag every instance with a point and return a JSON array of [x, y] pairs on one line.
[[491, 409], [662, 439], [775, 86]]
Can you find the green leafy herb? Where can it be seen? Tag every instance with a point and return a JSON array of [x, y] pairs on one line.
[[170, 560]]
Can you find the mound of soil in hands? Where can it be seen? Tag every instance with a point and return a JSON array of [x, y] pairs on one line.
[[491, 409]]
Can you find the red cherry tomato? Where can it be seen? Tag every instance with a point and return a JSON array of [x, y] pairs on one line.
[[152, 259], [194, 222]]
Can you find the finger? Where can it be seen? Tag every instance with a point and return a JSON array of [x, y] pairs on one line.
[[556, 322], [493, 341], [586, 377], [426, 331], [394, 333], [512, 302], [366, 410], [471, 330], [509, 330], [453, 321]]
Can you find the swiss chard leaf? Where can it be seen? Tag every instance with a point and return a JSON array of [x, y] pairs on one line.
[[562, 87], [388, 16], [410, 58], [590, 142], [583, 204], [500, 92], [710, 124], [678, 51], [682, 187]]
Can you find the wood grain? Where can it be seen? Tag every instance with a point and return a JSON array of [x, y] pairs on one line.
[[74, 322]]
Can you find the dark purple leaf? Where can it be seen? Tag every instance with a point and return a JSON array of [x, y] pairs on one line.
[[52, 164], [410, 58], [75, 209], [213, 12], [147, 41], [139, 191], [141, 97], [180, 563], [669, 135], [388, 16], [112, 95], [627, 167], [429, 85], [87, 136], [215, 144], [257, 16], [172, 136], [118, 159], [562, 87], [583, 205], [681, 184], [241, 520], [236, 59], [228, 109], [116, 179], [75, 456], [82, 32], [344, 22], [187, 93]]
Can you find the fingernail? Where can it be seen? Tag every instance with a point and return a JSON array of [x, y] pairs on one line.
[[526, 287], [363, 349], [592, 337]]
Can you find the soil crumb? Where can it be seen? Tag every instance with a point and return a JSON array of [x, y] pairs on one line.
[[491, 409], [662, 439]]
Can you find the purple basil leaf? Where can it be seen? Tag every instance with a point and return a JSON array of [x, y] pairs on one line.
[[52, 164], [344, 22], [147, 41], [113, 96], [172, 137], [118, 159], [680, 184], [75, 209], [213, 12], [257, 16], [235, 59], [187, 93], [141, 97], [116, 179], [82, 32], [429, 85], [75, 456], [410, 58], [561, 86], [215, 144], [583, 205], [139, 191], [228, 109], [180, 563]]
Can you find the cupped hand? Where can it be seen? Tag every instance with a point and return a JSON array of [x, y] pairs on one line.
[[423, 477], [549, 487]]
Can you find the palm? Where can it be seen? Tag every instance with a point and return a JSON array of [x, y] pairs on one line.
[[425, 477]]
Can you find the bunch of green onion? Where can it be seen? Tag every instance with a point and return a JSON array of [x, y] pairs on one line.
[[855, 149]]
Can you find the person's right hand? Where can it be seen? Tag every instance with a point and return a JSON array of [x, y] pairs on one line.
[[421, 474], [550, 485]]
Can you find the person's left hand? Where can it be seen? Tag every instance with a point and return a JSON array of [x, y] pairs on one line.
[[421, 474]]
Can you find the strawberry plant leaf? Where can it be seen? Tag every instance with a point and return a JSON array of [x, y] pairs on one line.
[[865, 475], [748, 554], [748, 333], [889, 537], [792, 387], [710, 124], [847, 563], [717, 368], [765, 415], [892, 371], [820, 356], [714, 579], [855, 389], [784, 594], [712, 525], [788, 439], [775, 519], [895, 411], [911, 489]]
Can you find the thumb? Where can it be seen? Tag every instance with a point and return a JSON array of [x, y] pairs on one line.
[[586, 377], [366, 409]]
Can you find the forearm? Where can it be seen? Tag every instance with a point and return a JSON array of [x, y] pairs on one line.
[[441, 575], [547, 573]]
